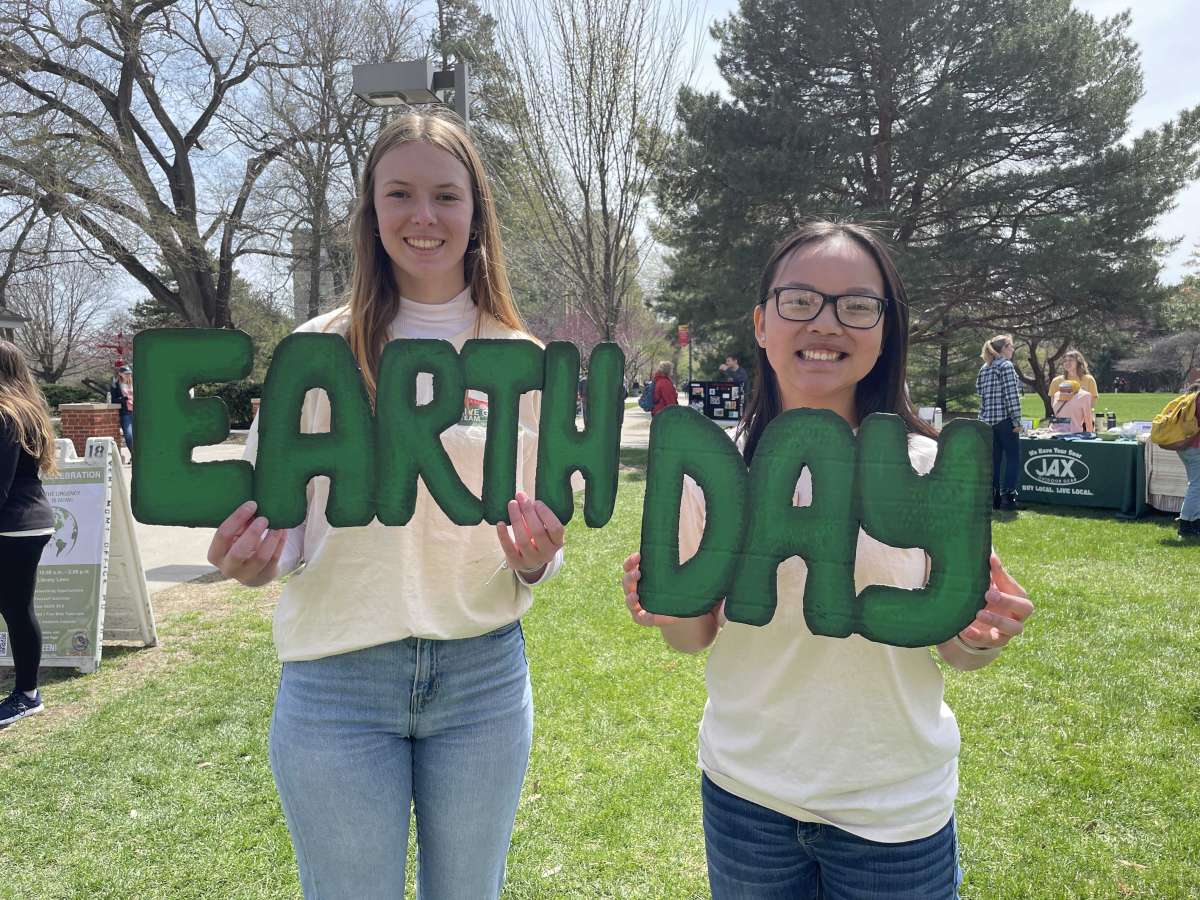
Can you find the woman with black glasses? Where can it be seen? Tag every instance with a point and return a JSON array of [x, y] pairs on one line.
[[830, 764]]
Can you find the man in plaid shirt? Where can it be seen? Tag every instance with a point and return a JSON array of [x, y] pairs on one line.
[[999, 391]]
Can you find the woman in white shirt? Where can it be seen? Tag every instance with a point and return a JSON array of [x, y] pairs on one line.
[[405, 684], [830, 764]]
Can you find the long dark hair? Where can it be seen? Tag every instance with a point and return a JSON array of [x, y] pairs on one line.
[[883, 388], [23, 406]]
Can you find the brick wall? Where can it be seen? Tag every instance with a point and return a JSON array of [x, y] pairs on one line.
[[80, 421]]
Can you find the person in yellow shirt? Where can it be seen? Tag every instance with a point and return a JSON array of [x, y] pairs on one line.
[[1075, 368], [1072, 402]]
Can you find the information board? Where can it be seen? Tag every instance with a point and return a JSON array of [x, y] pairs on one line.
[[721, 401], [90, 582]]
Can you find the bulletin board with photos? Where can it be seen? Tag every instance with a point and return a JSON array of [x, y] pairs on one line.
[[721, 401]]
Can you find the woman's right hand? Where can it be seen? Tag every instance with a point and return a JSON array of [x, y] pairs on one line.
[[629, 581], [244, 549]]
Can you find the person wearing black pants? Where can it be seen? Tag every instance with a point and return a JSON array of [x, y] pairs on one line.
[[26, 524], [999, 392]]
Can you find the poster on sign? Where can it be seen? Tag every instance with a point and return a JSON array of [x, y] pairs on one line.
[[90, 582]]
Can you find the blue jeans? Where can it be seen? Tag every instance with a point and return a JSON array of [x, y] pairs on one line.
[[127, 428], [1006, 456], [755, 853], [1191, 500], [442, 727]]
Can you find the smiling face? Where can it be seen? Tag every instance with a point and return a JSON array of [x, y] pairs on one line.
[[424, 208], [818, 364]]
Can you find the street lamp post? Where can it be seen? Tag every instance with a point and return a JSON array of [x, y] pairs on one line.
[[412, 83]]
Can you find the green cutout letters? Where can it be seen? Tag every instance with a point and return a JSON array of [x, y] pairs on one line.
[[168, 488], [751, 525], [372, 460]]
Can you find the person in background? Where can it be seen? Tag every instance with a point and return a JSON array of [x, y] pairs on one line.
[[1189, 513], [1070, 401], [121, 393], [26, 523], [664, 389], [733, 371], [1075, 368], [999, 392]]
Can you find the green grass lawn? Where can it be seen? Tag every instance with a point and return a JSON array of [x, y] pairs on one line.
[[1128, 407], [1081, 744]]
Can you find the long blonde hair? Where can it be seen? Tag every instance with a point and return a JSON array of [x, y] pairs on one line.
[[23, 407], [1081, 366], [374, 296], [993, 348]]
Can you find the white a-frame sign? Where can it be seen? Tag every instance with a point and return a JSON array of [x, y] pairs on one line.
[[90, 584]]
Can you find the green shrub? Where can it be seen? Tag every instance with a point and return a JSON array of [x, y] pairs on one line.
[[58, 394], [237, 396]]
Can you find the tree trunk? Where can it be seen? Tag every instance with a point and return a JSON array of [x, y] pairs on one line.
[[943, 372]]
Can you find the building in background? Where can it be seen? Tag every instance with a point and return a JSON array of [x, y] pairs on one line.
[[301, 278], [9, 322]]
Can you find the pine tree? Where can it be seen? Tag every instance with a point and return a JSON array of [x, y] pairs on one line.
[[986, 138]]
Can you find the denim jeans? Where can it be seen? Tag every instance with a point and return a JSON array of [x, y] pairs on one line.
[[443, 727], [127, 429], [755, 853], [1191, 500], [1006, 457]]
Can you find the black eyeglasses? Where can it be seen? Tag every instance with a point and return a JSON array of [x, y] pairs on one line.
[[800, 303]]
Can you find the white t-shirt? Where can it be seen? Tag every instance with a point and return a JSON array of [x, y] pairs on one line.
[[360, 587], [836, 730]]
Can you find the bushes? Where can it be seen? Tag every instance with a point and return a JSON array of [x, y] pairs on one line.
[[237, 396], [58, 394]]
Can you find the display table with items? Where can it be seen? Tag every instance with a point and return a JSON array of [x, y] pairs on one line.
[[721, 401], [1095, 473]]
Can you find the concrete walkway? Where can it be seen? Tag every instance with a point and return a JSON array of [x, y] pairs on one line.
[[173, 555]]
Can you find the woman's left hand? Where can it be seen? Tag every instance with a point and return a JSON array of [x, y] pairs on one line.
[[531, 537], [1006, 608]]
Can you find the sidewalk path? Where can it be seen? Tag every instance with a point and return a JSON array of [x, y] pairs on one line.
[[173, 555]]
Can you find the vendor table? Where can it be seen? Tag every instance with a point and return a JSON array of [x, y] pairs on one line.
[[1105, 474]]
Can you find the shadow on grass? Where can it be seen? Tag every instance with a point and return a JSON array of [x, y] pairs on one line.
[[58, 674], [635, 458], [1151, 516]]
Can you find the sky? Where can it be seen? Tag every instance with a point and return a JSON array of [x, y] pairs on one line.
[[1171, 80]]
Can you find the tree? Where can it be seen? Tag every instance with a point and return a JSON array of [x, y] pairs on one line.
[[111, 114], [253, 310], [986, 138], [63, 303], [306, 201], [588, 107]]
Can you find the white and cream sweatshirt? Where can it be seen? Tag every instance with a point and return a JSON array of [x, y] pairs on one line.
[[360, 587], [843, 731]]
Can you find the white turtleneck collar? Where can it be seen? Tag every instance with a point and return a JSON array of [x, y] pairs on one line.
[[434, 320]]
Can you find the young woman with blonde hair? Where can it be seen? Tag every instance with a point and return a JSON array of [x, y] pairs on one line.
[[405, 684], [999, 392], [26, 523], [1075, 368]]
